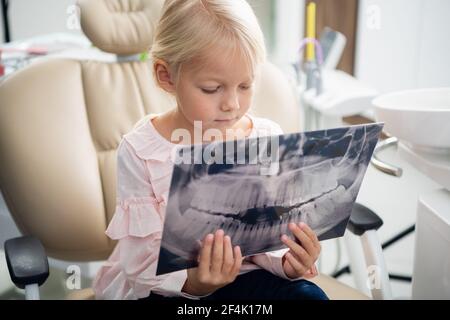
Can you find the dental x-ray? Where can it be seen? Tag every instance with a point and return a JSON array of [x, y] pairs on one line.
[[252, 188]]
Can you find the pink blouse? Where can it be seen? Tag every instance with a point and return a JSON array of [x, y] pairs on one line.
[[144, 169]]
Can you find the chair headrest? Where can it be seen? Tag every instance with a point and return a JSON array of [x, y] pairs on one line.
[[122, 27]]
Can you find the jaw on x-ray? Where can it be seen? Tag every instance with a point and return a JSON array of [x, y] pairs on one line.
[[312, 177]]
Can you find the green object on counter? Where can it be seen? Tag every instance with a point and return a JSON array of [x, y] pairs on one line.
[[143, 56]]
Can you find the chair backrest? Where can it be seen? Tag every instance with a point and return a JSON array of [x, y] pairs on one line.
[[61, 121]]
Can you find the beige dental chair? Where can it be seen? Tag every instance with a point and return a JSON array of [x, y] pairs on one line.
[[61, 121]]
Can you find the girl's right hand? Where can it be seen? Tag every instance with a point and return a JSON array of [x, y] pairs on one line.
[[218, 265]]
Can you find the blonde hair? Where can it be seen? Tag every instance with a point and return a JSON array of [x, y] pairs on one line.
[[188, 28]]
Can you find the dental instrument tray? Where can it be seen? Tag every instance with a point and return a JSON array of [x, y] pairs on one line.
[[252, 188]]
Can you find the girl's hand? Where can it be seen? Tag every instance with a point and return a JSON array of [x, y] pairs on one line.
[[218, 265], [299, 260]]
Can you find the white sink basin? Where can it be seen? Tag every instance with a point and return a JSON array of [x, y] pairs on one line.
[[420, 117]]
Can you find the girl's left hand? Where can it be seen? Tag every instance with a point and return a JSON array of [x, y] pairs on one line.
[[299, 260]]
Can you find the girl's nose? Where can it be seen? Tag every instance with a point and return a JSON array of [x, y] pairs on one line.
[[230, 103]]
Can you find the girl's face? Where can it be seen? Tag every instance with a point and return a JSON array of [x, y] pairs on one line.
[[216, 89]]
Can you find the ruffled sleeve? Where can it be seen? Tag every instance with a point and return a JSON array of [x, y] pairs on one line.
[[130, 272]]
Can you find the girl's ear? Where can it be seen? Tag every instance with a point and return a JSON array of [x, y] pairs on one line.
[[163, 75]]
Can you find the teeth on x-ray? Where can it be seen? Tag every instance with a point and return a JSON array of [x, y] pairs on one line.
[[319, 177], [286, 189]]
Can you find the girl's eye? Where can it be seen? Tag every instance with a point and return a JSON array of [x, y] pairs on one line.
[[210, 91], [245, 87]]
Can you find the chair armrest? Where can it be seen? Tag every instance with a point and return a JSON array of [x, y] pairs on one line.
[[363, 219], [372, 274], [27, 261]]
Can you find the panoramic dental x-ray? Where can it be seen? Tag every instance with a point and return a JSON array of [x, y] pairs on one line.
[[253, 188]]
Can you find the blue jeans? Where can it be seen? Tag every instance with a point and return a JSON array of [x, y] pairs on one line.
[[261, 285]]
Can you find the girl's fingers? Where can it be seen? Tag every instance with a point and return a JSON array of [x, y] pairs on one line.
[[304, 239], [311, 234], [237, 260], [290, 243], [310, 273], [299, 268], [228, 260], [313, 270], [297, 250], [217, 252], [205, 254]]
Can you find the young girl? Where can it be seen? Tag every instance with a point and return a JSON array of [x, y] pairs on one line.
[[206, 53]]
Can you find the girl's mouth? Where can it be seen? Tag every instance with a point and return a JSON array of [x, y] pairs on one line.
[[225, 120]]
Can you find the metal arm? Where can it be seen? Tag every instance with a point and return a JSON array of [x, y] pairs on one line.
[[381, 165]]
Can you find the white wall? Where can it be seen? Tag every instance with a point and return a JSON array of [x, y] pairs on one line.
[[403, 44], [288, 31], [282, 24], [30, 18], [265, 14]]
